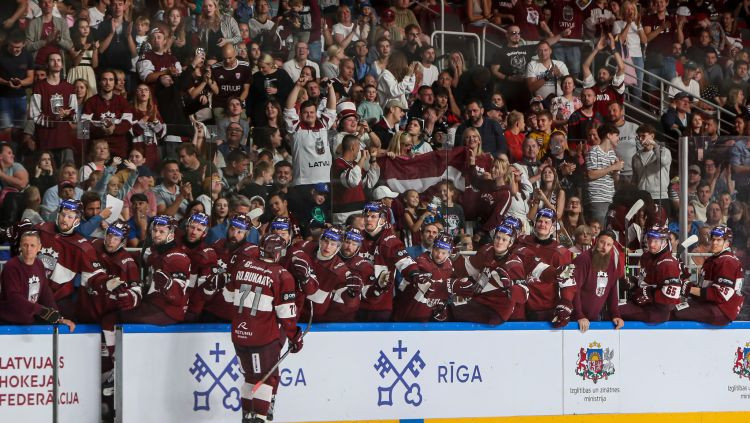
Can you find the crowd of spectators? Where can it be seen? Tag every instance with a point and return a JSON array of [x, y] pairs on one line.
[[292, 108]]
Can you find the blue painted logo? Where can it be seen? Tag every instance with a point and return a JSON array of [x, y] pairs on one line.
[[223, 380], [414, 366]]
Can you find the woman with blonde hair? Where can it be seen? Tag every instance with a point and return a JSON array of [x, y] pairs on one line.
[[330, 69], [269, 83], [401, 146], [148, 125], [215, 30], [397, 80]]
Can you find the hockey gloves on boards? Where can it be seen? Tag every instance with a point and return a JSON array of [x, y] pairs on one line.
[[49, 315], [563, 311], [295, 342]]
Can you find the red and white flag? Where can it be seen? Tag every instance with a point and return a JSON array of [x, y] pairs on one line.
[[424, 170]]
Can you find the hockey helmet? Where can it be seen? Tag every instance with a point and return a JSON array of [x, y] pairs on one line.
[[513, 222], [119, 228], [200, 218], [722, 231], [546, 212], [72, 205], [375, 207], [240, 222], [657, 232], [444, 241], [511, 231], [354, 234], [270, 245], [334, 233], [281, 223]]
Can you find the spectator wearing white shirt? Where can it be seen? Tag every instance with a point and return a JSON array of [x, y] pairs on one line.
[[686, 82], [543, 76], [346, 31], [294, 67], [430, 72], [397, 80]]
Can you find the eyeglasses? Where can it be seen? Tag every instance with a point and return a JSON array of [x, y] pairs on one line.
[[514, 32]]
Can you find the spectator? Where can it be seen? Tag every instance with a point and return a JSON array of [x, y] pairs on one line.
[[351, 174], [714, 71], [675, 120], [650, 167], [607, 87], [396, 80], [85, 54], [600, 20], [703, 197], [428, 233], [143, 185], [572, 219], [139, 220], [301, 59], [194, 169], [343, 83], [526, 16], [345, 31], [111, 115], [16, 73], [172, 195], [493, 139], [216, 30], [686, 82], [387, 127], [362, 63], [663, 31], [563, 106], [234, 114], [602, 166], [714, 216], [631, 35], [268, 83], [549, 194], [708, 91], [235, 138], [584, 116], [261, 20], [51, 198], [515, 135], [148, 126], [567, 18], [543, 132], [44, 174], [99, 155], [94, 216], [235, 172], [53, 106], [627, 146], [430, 72], [543, 75], [116, 44], [11, 12], [737, 80], [230, 78], [47, 34]]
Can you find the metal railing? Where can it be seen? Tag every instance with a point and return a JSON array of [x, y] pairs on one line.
[[491, 25], [662, 87], [459, 34]]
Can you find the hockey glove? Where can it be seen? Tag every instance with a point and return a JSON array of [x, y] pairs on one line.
[[215, 283], [49, 315], [631, 281], [463, 287], [295, 342], [113, 283], [440, 312], [563, 312], [127, 299], [643, 295], [421, 278]]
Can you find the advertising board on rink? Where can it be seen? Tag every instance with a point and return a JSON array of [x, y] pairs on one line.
[[26, 374]]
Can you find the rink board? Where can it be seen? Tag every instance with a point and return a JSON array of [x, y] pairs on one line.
[[434, 372]]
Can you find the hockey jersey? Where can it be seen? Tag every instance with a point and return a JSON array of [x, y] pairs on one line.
[[387, 254], [169, 270], [416, 301], [723, 276], [660, 275], [543, 261], [331, 302]]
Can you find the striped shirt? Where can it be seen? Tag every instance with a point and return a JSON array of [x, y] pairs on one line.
[[600, 190]]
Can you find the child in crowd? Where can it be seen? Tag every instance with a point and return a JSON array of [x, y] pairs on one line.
[[370, 109]]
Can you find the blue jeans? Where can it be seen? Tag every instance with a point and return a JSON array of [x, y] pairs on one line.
[[314, 47], [571, 56], [666, 69], [636, 90], [12, 112]]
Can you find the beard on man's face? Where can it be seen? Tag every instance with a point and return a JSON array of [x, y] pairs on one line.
[[600, 261]]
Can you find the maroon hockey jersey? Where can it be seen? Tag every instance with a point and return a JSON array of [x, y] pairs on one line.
[[230, 81], [263, 295], [543, 262], [723, 276], [116, 110], [67, 256], [387, 254], [24, 290], [50, 133], [169, 270], [500, 291], [345, 199], [594, 289], [331, 302], [660, 275], [416, 301]]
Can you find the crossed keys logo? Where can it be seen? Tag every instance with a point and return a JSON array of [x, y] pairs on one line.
[[201, 369], [384, 366]]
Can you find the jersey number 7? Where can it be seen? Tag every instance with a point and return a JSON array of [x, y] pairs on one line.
[[245, 290]]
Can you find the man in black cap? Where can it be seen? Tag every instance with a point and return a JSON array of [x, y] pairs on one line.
[[677, 117]]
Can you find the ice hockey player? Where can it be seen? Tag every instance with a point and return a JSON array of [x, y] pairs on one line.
[[720, 301], [422, 301], [349, 253], [68, 257], [202, 257], [338, 296], [658, 285], [263, 294], [596, 273], [549, 273], [499, 280], [387, 254], [206, 303]]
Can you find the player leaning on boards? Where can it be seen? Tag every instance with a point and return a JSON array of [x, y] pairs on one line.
[[718, 300]]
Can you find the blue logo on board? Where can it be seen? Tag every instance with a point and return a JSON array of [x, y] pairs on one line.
[[223, 378], [388, 371]]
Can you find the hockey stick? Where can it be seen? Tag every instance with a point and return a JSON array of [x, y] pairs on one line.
[[638, 205], [276, 366]]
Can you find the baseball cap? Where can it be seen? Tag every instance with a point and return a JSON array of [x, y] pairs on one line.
[[537, 99], [690, 65], [138, 197], [382, 192], [388, 15], [682, 94], [683, 11], [394, 102], [321, 188], [65, 184], [694, 168], [144, 171]]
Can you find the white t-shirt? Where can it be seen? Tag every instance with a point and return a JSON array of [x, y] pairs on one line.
[[536, 69], [692, 88], [311, 149], [95, 17], [429, 75], [345, 30], [633, 39]]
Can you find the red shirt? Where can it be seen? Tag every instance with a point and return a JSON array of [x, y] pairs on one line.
[[515, 145]]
